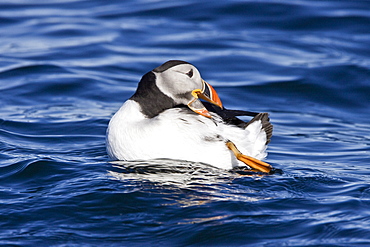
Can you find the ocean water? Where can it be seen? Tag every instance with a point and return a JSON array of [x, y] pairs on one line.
[[67, 65]]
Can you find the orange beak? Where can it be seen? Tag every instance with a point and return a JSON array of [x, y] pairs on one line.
[[207, 93]]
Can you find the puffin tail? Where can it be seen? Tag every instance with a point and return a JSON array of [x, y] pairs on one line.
[[266, 125]]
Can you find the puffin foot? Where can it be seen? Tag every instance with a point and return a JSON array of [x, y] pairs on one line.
[[249, 161]]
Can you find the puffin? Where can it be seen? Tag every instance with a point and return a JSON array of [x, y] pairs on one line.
[[175, 114]]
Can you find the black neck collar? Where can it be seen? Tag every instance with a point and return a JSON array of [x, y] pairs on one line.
[[151, 100]]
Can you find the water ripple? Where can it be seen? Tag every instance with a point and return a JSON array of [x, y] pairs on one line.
[[67, 65]]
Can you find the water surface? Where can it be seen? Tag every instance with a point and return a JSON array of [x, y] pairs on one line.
[[67, 65]]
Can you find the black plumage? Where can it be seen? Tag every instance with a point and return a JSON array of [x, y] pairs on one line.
[[152, 100]]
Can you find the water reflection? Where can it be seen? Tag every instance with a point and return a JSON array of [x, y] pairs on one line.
[[186, 183]]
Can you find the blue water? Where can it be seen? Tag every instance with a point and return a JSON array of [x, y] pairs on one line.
[[67, 65]]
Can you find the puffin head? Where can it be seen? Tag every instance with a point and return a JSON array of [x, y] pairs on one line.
[[182, 82]]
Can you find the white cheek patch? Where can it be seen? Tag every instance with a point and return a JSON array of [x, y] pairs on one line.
[[166, 89], [175, 85]]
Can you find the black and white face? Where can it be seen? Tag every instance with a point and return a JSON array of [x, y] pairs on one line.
[[183, 83], [179, 81]]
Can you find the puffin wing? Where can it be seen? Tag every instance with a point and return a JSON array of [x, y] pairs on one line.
[[226, 113], [230, 117]]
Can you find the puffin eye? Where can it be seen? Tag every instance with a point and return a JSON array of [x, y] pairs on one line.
[[190, 73]]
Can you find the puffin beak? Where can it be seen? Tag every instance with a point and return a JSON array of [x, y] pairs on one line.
[[207, 93]]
